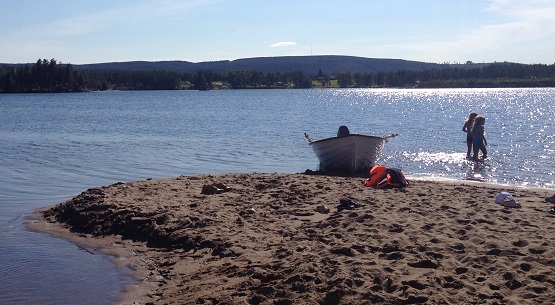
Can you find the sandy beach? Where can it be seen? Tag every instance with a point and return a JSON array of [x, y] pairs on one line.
[[311, 239]]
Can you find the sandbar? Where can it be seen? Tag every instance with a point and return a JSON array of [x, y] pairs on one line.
[[256, 238]]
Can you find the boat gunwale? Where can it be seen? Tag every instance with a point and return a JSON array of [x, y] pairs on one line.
[[347, 136]]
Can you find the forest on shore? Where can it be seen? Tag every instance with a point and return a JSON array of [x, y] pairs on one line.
[[54, 76]]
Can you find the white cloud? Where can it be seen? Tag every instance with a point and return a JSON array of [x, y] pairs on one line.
[[526, 23], [107, 19], [283, 44], [29, 51], [65, 34]]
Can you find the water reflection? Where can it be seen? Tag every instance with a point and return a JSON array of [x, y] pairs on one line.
[[450, 164], [478, 171]]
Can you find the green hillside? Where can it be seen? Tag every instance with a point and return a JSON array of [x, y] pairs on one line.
[[307, 64]]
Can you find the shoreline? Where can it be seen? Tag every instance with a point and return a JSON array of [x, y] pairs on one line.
[[260, 239], [123, 253]]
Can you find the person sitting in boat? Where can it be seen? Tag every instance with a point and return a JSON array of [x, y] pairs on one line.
[[343, 131]]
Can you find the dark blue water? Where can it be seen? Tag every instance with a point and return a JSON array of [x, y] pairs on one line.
[[54, 146]]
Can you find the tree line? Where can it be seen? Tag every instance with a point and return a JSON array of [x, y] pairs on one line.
[[53, 76]]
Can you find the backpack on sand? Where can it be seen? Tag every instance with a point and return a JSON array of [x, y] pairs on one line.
[[395, 178]]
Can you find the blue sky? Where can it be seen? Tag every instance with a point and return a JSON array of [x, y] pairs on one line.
[[439, 31]]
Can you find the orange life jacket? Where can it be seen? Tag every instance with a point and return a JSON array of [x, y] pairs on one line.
[[387, 183], [394, 178], [377, 174], [382, 177]]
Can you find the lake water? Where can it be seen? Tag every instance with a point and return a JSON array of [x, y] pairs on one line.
[[54, 146]]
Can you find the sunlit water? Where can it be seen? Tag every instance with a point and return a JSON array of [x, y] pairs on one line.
[[53, 146]]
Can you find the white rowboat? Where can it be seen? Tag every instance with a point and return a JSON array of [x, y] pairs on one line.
[[347, 152]]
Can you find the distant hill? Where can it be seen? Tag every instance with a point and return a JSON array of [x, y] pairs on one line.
[[278, 72], [310, 65]]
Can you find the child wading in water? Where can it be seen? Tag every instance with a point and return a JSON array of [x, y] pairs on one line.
[[467, 128], [479, 140]]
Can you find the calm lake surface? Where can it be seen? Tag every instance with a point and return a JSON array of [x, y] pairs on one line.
[[54, 146]]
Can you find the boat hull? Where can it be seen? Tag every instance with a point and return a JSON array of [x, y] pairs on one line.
[[351, 153]]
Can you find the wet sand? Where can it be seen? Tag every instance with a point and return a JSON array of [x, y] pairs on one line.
[[269, 239]]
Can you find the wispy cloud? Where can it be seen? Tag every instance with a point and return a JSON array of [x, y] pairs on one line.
[[532, 19], [283, 44], [68, 32], [27, 50], [526, 22], [108, 19]]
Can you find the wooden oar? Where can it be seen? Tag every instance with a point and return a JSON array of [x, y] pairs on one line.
[[307, 137]]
